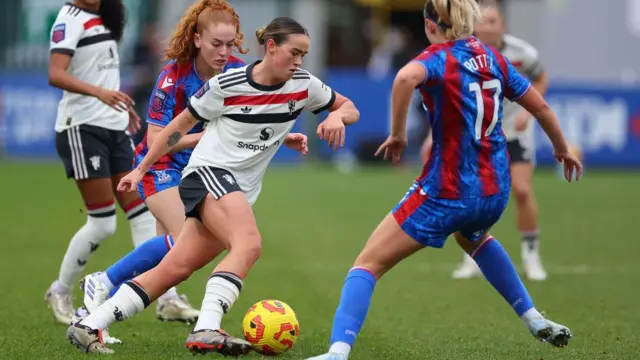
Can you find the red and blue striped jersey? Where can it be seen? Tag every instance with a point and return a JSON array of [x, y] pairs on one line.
[[175, 85], [463, 92]]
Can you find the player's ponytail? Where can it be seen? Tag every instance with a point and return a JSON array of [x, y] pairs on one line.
[[113, 15], [279, 30], [456, 18]]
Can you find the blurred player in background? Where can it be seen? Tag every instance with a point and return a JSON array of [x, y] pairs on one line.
[[464, 187], [200, 48], [249, 113], [91, 133], [520, 142]]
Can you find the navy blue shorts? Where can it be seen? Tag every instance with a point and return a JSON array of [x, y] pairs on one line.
[[430, 221]]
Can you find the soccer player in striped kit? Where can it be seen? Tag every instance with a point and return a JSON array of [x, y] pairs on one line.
[[91, 133], [249, 114], [200, 48], [518, 129], [465, 185]]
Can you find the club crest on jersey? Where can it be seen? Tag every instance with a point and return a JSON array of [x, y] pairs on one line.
[[58, 33], [202, 90], [157, 104], [292, 106]]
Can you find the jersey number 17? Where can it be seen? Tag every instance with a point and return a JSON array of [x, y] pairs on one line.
[[477, 88]]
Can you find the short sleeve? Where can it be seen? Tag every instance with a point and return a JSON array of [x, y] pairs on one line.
[[517, 85], [321, 96], [163, 100], [532, 66], [433, 63], [65, 34], [207, 104]]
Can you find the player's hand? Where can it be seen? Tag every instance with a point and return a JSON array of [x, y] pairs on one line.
[[116, 99], [297, 142], [129, 183], [134, 121], [522, 121], [332, 130], [393, 146], [571, 165]]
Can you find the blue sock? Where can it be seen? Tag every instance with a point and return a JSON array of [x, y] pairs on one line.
[[353, 307], [498, 269], [143, 258]]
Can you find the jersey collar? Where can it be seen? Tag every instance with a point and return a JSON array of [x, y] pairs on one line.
[[260, 86]]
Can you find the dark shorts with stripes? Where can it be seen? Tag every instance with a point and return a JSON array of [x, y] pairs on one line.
[[92, 152], [205, 180]]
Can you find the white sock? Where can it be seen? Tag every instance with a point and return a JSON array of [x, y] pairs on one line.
[[129, 300], [222, 291], [170, 294], [104, 280], [340, 348], [87, 240], [531, 315], [143, 224]]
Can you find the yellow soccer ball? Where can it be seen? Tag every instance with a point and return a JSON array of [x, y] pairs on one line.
[[271, 326]]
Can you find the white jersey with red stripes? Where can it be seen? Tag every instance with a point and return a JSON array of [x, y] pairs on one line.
[[247, 122], [80, 34]]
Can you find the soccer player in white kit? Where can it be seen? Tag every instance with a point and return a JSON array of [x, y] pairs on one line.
[[520, 143], [249, 113], [91, 133]]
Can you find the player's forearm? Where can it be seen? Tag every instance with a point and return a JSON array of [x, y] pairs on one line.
[[349, 113], [167, 139], [189, 141], [551, 126], [63, 80]]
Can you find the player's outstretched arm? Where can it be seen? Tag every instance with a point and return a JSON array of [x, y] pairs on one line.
[[168, 139], [188, 141], [346, 109], [406, 81]]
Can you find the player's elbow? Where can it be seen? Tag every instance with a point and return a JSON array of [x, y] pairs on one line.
[[541, 110], [54, 77]]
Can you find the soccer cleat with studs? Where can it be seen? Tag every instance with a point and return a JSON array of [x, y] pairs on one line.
[[86, 339], [550, 332], [217, 341]]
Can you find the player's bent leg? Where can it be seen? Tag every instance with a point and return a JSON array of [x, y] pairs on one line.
[[166, 206], [190, 254], [527, 218], [388, 245], [498, 269], [143, 224], [101, 223], [230, 217]]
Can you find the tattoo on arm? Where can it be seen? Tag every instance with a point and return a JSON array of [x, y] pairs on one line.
[[174, 138]]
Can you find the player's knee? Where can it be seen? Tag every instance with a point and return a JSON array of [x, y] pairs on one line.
[[102, 227], [522, 191], [248, 244]]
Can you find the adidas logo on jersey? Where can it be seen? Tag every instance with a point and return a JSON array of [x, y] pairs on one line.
[[246, 109]]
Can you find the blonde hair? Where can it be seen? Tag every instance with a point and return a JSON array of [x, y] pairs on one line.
[[182, 47], [456, 18]]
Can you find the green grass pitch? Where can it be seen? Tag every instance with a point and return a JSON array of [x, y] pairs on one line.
[[314, 222]]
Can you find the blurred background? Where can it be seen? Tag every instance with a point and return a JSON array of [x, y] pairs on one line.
[[590, 51]]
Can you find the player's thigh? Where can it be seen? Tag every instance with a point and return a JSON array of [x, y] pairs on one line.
[[484, 213], [166, 206], [387, 245], [213, 196]]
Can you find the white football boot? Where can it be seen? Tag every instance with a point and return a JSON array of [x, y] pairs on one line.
[[61, 304], [95, 293], [532, 263], [177, 308], [467, 269], [86, 339], [550, 332]]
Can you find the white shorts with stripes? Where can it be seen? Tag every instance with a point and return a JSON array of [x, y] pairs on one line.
[[203, 181], [90, 152]]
